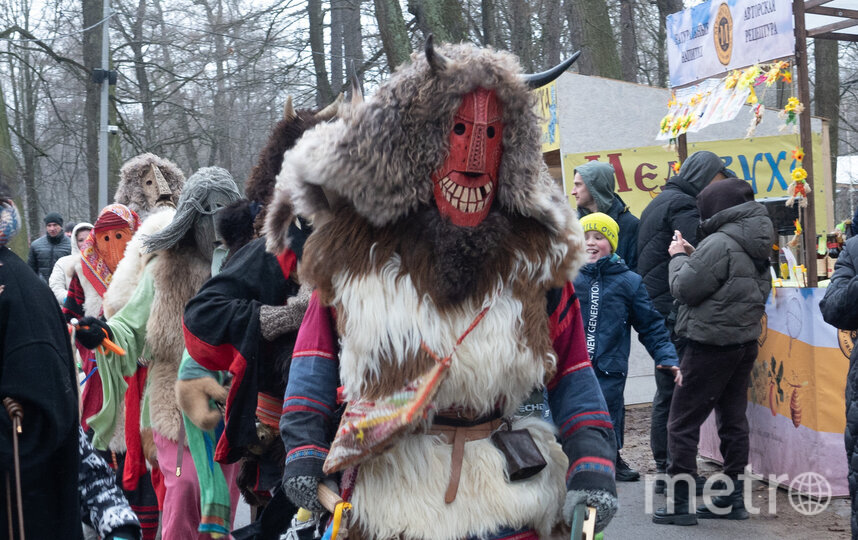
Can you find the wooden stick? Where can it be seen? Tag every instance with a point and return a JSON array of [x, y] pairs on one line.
[[328, 497]]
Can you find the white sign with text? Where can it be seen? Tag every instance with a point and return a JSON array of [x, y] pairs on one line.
[[721, 35]]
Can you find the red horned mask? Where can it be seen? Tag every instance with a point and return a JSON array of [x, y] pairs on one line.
[[466, 183]]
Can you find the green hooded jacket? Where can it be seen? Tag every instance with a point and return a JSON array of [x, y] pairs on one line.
[[599, 179]]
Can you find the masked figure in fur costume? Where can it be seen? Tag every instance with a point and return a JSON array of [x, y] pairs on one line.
[[149, 327], [245, 320], [441, 246], [100, 255], [151, 186]]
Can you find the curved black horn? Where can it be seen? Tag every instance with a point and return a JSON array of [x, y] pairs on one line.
[[535, 80], [437, 61]]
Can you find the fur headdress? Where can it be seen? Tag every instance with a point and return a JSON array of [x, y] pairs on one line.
[[130, 190], [380, 155]]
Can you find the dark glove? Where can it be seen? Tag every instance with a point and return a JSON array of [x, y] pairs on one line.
[[302, 490], [605, 503], [126, 532], [90, 332]]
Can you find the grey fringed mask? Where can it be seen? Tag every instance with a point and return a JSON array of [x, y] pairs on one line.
[[205, 193]]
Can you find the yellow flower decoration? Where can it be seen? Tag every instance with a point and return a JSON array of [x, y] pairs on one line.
[[772, 75], [798, 154], [793, 105], [799, 174], [752, 98], [748, 77], [731, 80]]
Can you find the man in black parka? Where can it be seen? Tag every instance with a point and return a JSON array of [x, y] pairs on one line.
[[674, 209]]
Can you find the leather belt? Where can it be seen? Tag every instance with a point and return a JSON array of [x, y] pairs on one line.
[[458, 436]]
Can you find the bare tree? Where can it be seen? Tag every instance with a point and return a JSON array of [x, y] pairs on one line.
[[352, 36], [441, 18], [489, 23], [826, 91], [521, 32], [591, 31], [552, 30], [665, 8], [394, 35], [628, 41], [324, 93]]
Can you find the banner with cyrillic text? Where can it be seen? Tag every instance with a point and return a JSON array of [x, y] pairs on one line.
[[720, 35], [765, 162]]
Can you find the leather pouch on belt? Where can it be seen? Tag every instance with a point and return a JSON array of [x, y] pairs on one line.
[[523, 458]]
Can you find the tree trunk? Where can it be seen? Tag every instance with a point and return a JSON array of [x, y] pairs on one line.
[[591, 31], [665, 8], [490, 24], [92, 13], [8, 166], [394, 35], [191, 152], [9, 174], [628, 41], [521, 33], [552, 29], [339, 67], [29, 99], [442, 18], [143, 79], [576, 34], [826, 95], [352, 37], [221, 153], [324, 93]]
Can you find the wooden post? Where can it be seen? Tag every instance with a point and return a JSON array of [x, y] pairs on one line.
[[682, 147], [801, 75], [830, 186]]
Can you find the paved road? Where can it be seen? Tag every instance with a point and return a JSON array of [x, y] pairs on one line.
[[633, 522]]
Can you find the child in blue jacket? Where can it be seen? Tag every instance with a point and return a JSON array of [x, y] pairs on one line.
[[613, 299]]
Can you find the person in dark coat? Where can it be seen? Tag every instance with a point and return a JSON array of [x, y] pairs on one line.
[[62, 483], [45, 251], [593, 190], [838, 310], [613, 300], [675, 208], [722, 288], [36, 370]]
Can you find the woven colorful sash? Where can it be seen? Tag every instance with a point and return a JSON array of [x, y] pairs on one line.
[[371, 426]]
